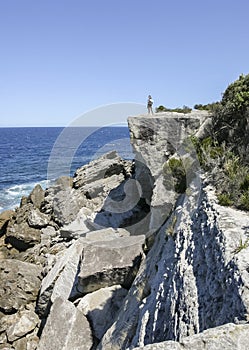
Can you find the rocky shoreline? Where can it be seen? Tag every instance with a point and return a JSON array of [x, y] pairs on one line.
[[117, 257]]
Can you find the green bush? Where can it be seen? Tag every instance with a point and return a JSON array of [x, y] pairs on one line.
[[244, 201], [224, 154], [184, 109], [178, 173], [244, 185], [224, 199], [211, 107]]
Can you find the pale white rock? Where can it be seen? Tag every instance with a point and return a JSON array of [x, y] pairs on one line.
[[226, 337], [101, 307], [154, 140], [77, 228], [66, 328], [106, 234], [37, 219], [193, 272], [60, 280], [25, 321]]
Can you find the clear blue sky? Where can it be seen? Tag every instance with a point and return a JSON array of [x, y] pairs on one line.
[[60, 58]]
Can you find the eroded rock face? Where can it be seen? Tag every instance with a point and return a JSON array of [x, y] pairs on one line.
[[155, 139], [195, 269], [20, 283], [4, 219], [19, 324], [22, 236], [37, 196], [66, 328], [193, 277]]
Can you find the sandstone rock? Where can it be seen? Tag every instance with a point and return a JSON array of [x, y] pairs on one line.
[[227, 337], [21, 236], [21, 324], [20, 283], [6, 347], [66, 328], [37, 196], [4, 219], [115, 262], [101, 308]]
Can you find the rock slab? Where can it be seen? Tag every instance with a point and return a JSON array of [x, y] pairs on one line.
[[66, 328]]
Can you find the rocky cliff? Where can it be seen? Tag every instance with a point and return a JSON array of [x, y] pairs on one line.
[[128, 255]]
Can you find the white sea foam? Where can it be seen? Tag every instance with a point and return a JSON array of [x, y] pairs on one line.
[[10, 197]]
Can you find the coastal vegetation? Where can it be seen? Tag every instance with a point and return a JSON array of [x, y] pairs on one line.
[[184, 109], [224, 153]]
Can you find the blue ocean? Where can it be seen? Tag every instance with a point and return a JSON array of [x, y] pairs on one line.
[[35, 155]]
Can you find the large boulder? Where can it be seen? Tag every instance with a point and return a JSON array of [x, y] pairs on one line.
[[20, 283], [4, 219], [102, 168], [66, 328], [62, 279], [19, 233], [61, 203], [115, 262], [37, 219], [37, 196], [22, 236], [101, 308], [98, 178]]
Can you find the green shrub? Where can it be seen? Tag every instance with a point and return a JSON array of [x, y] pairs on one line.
[[242, 245], [184, 109], [244, 185], [211, 107], [224, 199], [178, 173], [244, 201]]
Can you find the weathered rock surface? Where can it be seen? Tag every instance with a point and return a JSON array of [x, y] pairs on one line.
[[22, 236], [19, 324], [227, 337], [66, 328], [115, 262], [37, 219], [101, 308], [37, 196], [60, 280], [63, 279], [154, 140], [4, 219], [195, 269], [20, 283]]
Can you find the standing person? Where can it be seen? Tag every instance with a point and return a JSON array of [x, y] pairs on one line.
[[150, 104]]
